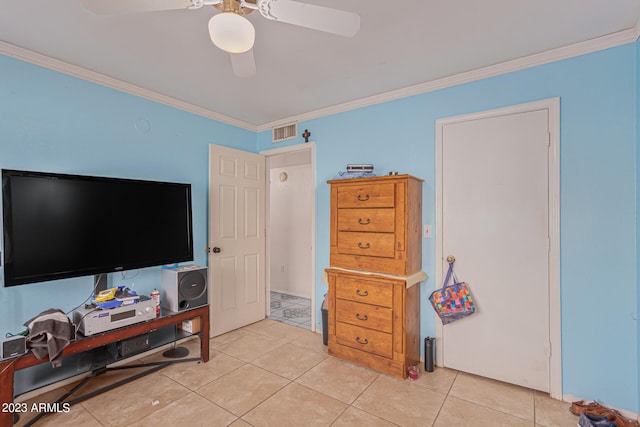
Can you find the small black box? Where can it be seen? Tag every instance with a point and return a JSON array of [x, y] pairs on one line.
[[13, 347], [133, 345]]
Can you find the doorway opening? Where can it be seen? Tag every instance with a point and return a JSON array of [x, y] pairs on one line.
[[290, 309], [290, 219]]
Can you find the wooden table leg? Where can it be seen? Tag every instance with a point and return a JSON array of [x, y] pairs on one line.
[[204, 335], [7, 369]]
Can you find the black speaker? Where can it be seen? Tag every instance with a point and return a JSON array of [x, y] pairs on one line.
[[184, 287], [133, 345], [14, 346]]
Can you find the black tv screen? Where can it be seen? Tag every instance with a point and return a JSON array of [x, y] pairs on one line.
[[58, 226]]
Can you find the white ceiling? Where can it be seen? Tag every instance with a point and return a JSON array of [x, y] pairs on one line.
[[400, 44]]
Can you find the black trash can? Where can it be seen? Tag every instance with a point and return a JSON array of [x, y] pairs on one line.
[[325, 321]]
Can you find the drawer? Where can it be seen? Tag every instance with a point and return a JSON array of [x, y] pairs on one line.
[[364, 339], [380, 220], [365, 291], [366, 196], [367, 244], [364, 315]]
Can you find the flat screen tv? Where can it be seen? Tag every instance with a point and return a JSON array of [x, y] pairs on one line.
[[58, 226]]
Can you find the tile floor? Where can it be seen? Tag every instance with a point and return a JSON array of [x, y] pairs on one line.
[[273, 374], [290, 309]]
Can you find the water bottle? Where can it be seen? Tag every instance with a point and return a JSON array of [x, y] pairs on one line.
[[428, 354]]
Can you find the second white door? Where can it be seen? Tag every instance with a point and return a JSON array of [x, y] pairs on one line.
[[236, 238], [495, 221]]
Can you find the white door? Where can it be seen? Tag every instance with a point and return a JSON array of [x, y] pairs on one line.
[[236, 238], [494, 194]]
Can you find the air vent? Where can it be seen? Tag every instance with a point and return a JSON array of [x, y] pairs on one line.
[[285, 132]]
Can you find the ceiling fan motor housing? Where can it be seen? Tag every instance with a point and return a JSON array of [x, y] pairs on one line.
[[235, 6]]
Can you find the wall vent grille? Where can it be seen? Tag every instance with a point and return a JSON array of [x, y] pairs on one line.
[[283, 133]]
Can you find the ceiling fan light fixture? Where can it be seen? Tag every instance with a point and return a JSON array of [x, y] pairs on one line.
[[232, 33]]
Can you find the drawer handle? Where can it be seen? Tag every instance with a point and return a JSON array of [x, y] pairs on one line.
[[363, 199], [365, 341], [363, 318], [361, 246], [362, 294], [361, 222]]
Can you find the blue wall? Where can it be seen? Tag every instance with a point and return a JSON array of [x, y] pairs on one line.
[[598, 208], [53, 122], [49, 121]]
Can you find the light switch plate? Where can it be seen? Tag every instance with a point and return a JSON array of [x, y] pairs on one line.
[[427, 231]]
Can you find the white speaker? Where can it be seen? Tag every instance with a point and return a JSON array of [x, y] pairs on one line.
[[184, 287]]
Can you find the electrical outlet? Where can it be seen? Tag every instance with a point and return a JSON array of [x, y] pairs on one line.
[[427, 231]]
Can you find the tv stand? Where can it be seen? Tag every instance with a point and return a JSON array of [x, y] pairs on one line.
[[83, 344]]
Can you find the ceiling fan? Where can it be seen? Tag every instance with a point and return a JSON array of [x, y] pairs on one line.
[[231, 31]]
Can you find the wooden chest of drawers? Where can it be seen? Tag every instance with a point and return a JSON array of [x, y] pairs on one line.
[[376, 261], [374, 320], [376, 224]]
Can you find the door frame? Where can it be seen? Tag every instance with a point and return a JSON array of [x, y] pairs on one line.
[[283, 150], [552, 105]]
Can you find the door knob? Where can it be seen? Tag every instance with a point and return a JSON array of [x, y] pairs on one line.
[[216, 250], [450, 258]]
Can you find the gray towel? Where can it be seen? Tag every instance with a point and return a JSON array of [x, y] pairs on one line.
[[49, 333]]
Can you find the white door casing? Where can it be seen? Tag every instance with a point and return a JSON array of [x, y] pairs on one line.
[[497, 211], [237, 229]]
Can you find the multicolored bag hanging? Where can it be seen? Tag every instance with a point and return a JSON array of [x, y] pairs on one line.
[[452, 302]]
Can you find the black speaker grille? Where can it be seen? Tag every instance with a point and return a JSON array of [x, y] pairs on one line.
[[192, 285]]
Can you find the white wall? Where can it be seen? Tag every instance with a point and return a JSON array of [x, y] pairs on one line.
[[290, 203]]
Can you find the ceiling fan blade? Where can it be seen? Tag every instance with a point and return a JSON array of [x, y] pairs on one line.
[[121, 7], [311, 16], [243, 64]]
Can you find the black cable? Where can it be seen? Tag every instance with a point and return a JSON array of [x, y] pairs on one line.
[[82, 318], [23, 333], [93, 292]]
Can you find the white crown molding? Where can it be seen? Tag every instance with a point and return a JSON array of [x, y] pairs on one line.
[[565, 52], [85, 74]]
